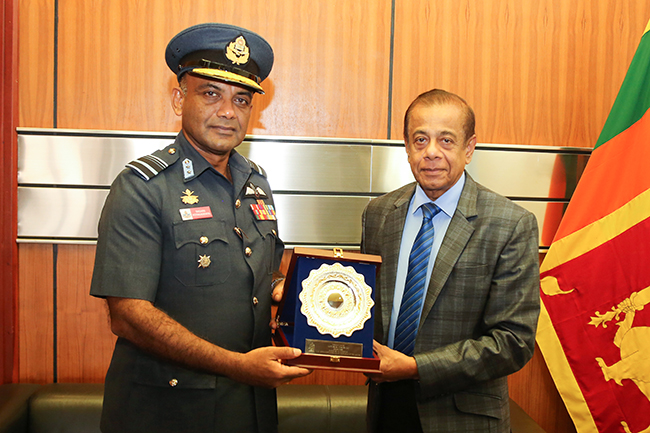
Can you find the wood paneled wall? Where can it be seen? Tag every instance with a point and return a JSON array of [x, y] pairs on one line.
[[8, 185], [543, 72]]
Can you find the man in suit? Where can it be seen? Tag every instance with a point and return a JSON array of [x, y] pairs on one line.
[[458, 315]]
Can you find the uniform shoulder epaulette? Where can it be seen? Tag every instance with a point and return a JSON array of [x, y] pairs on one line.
[[256, 167], [149, 166]]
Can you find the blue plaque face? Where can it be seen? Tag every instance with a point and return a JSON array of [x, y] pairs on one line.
[[328, 305], [336, 300]]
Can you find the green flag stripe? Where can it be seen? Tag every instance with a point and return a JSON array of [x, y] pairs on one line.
[[633, 99]]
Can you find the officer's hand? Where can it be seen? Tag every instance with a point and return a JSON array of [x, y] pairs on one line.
[[263, 367], [274, 323], [278, 290], [394, 365]]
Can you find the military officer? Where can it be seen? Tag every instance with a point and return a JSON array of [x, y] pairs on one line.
[[187, 247]]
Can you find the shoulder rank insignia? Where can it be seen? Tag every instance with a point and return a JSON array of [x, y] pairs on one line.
[[151, 165], [188, 168], [256, 168]]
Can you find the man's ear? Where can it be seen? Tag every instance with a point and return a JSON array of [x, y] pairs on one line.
[[469, 150], [177, 101]]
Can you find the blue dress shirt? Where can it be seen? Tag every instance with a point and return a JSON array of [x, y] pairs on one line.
[[447, 203]]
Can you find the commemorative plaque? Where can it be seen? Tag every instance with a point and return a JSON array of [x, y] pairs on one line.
[[327, 309]]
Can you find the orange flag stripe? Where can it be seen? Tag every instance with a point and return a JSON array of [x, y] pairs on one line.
[[628, 149]]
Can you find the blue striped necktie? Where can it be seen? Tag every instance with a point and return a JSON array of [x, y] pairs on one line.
[[409, 312]]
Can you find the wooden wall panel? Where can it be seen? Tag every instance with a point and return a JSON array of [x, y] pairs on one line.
[[330, 77], [533, 389], [36, 63], [536, 72], [36, 313], [85, 340], [8, 193]]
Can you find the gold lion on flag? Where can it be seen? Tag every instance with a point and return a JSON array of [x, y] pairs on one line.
[[634, 342]]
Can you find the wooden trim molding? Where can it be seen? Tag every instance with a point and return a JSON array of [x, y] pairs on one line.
[[8, 192]]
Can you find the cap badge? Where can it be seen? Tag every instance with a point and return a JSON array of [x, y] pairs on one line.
[[188, 198], [204, 261], [237, 51]]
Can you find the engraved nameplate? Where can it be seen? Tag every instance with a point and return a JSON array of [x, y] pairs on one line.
[[321, 347]]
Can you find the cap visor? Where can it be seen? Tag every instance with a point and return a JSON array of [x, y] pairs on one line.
[[229, 77]]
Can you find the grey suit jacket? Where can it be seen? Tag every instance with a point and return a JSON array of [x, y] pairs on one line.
[[480, 312]]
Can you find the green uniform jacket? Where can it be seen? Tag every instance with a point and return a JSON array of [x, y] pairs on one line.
[[176, 232]]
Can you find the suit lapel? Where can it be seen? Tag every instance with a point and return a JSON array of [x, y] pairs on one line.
[[457, 236], [393, 230]]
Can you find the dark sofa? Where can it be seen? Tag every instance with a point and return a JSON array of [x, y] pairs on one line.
[[75, 408]]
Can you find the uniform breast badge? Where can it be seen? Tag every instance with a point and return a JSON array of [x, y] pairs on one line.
[[204, 261], [261, 210], [254, 191], [189, 198]]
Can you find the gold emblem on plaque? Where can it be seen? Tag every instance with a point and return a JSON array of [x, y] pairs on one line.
[[188, 198], [204, 261], [336, 300], [237, 51]]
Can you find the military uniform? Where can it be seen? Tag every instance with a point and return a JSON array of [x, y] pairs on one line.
[[177, 233]]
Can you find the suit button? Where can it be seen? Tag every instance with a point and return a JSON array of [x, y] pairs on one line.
[[173, 382], [204, 240], [171, 151], [237, 204], [255, 301], [248, 252]]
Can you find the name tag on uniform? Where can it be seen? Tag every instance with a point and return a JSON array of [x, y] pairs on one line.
[[196, 213]]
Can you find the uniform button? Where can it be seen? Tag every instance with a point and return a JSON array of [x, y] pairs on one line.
[[173, 382], [204, 240], [237, 204], [171, 151], [274, 232], [248, 252], [255, 301]]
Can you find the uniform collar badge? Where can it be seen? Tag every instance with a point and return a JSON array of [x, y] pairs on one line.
[[189, 198], [237, 51], [188, 169]]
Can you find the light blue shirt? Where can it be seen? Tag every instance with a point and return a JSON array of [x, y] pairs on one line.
[[447, 203]]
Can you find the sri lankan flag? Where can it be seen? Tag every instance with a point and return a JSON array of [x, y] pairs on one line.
[[594, 329]]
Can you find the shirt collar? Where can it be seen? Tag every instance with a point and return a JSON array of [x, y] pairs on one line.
[[200, 164], [446, 202]]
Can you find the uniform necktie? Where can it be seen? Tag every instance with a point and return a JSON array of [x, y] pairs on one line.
[[409, 312]]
